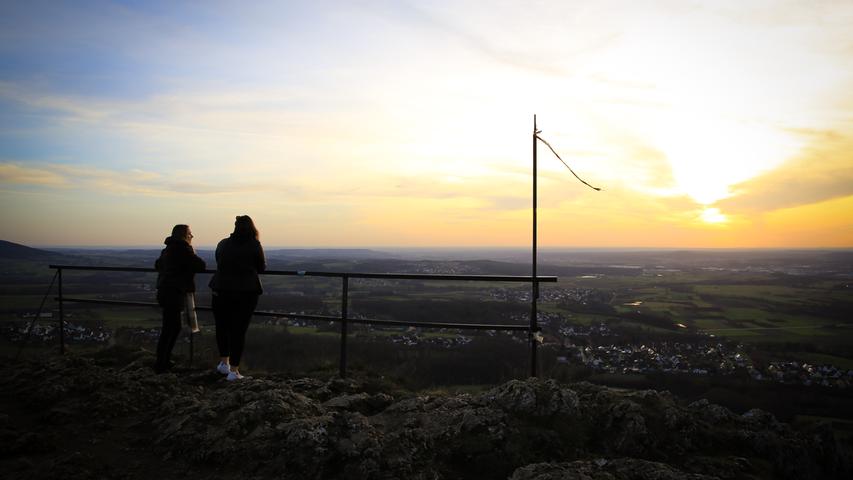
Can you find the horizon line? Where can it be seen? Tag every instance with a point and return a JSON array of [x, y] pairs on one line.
[[459, 248]]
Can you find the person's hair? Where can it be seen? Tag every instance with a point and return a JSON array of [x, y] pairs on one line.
[[245, 227], [181, 231]]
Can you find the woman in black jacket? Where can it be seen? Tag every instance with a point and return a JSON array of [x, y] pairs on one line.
[[236, 287], [176, 269]]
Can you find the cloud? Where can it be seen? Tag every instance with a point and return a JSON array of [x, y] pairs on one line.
[[133, 181], [202, 112], [15, 174], [823, 172], [512, 35], [506, 203]]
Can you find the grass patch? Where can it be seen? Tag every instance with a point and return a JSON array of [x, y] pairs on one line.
[[310, 331], [26, 302], [553, 308], [587, 319], [115, 317], [710, 323], [739, 333], [779, 294]]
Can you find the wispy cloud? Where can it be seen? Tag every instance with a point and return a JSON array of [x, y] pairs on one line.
[[203, 112], [129, 182], [824, 171], [510, 50], [15, 174]]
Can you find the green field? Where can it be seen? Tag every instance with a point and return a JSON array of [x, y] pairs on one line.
[[754, 309]]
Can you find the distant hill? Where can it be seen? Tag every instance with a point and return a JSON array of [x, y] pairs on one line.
[[17, 251], [326, 253]]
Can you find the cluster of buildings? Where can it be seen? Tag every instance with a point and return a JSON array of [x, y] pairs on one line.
[[411, 339], [544, 319], [807, 374], [441, 268], [547, 294], [599, 330], [691, 358], [49, 333], [669, 357]]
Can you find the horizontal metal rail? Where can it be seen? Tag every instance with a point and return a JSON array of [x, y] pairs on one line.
[[386, 276], [302, 316], [343, 318]]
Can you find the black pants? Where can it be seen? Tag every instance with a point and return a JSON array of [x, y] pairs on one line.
[[172, 303], [232, 312]]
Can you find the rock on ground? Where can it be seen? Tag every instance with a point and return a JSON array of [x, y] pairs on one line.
[[107, 416]]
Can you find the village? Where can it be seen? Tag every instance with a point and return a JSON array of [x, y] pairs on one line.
[[588, 346], [596, 346], [49, 333], [548, 295]]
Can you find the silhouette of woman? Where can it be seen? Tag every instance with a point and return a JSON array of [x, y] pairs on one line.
[[236, 287], [176, 269]]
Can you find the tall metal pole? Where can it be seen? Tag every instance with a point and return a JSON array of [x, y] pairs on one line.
[[61, 318], [534, 327], [344, 318]]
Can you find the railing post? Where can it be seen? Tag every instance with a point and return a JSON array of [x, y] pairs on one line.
[[191, 348], [61, 317], [344, 304], [534, 330]]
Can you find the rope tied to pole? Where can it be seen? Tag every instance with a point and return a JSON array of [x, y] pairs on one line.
[[597, 189]]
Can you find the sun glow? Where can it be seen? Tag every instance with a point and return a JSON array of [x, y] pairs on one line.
[[713, 215], [711, 152], [714, 106]]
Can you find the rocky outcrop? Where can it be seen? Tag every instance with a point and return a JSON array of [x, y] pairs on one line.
[[602, 469], [308, 428]]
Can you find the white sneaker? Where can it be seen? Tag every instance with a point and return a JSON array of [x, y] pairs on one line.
[[223, 368], [232, 376]]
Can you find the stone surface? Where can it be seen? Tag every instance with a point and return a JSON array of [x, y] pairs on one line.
[[110, 417]]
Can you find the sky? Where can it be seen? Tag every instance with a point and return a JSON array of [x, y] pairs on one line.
[[716, 124]]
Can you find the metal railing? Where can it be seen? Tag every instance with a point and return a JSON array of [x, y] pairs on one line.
[[344, 319]]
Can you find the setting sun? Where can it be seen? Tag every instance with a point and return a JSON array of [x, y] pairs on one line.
[[713, 215]]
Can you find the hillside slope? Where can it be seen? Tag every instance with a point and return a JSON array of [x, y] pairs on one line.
[[15, 251], [106, 416]]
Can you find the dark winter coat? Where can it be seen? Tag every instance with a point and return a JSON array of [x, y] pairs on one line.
[[177, 267], [239, 260]]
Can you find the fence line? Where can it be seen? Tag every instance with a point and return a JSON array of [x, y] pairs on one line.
[[344, 319]]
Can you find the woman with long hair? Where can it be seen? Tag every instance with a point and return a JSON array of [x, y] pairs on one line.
[[236, 287], [176, 269]]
